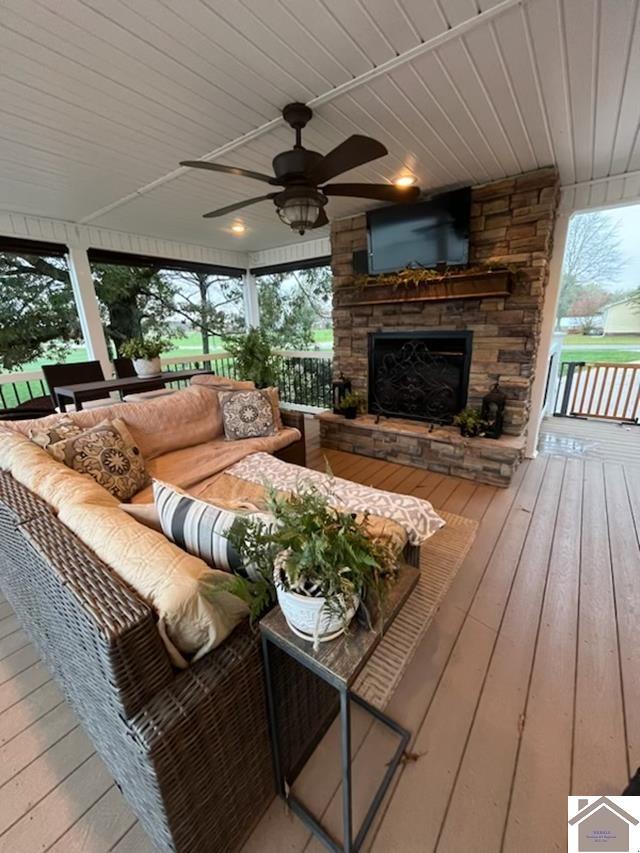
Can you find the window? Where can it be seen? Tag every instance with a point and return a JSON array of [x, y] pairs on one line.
[[38, 317], [295, 306], [191, 305]]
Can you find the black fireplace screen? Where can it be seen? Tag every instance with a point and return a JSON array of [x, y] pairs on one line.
[[419, 375]]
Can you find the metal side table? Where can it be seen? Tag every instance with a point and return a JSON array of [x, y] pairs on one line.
[[337, 662]]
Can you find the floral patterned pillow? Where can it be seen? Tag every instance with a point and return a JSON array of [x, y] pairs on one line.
[[246, 414], [62, 429], [108, 453]]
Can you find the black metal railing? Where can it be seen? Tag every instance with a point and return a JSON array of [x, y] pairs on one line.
[[19, 391], [304, 380]]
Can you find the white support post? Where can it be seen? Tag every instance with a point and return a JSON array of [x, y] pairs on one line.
[[549, 310], [88, 308], [251, 305]]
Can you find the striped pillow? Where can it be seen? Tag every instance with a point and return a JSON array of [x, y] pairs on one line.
[[201, 528]]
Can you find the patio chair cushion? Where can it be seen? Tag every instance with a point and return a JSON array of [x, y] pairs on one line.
[[246, 414]]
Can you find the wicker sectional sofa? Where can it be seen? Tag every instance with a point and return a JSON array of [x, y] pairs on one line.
[[186, 738], [188, 748]]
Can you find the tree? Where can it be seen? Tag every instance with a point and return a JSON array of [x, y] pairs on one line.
[[592, 254], [209, 303], [37, 311], [293, 304], [132, 300], [38, 315], [590, 301]]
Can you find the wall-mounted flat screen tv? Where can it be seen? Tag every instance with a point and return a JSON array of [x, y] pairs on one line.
[[424, 234]]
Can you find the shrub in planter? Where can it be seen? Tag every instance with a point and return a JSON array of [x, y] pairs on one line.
[[470, 422], [350, 405], [254, 358], [318, 561], [145, 354]]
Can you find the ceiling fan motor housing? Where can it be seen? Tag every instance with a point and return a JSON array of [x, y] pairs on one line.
[[295, 164]]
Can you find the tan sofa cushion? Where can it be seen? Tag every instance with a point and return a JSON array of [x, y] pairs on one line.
[[188, 417], [212, 380], [194, 466], [170, 580]]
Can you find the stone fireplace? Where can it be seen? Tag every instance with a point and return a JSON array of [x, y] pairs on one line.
[[417, 353], [419, 375]]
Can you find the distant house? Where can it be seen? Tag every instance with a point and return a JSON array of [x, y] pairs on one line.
[[622, 317]]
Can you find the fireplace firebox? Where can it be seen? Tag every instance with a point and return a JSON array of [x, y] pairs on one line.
[[419, 375]]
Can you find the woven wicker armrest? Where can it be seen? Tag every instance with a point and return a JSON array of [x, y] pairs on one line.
[[97, 607], [92, 630]]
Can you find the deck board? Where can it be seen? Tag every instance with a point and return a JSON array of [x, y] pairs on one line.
[[499, 695]]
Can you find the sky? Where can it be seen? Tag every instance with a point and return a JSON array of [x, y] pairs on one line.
[[629, 220]]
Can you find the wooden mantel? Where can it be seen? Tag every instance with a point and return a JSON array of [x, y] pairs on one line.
[[467, 285]]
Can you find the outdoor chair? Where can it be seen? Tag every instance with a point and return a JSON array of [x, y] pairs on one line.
[[74, 374], [150, 390], [37, 407]]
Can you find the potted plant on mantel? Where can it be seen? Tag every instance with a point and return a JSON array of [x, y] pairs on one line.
[[145, 355], [319, 562], [350, 405], [470, 422]]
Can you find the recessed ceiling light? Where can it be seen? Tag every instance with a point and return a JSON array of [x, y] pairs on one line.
[[238, 228], [405, 181]]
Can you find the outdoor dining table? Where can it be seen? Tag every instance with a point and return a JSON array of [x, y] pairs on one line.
[[83, 391]]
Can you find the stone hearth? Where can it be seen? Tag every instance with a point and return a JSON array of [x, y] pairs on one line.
[[511, 228], [438, 448]]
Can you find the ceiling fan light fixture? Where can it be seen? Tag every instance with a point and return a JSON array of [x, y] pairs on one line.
[[300, 211], [238, 228], [405, 181]]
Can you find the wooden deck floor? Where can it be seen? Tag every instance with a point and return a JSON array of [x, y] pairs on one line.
[[525, 688]]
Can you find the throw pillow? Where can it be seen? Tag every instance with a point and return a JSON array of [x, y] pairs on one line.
[[62, 429], [201, 528], [246, 414], [108, 453]]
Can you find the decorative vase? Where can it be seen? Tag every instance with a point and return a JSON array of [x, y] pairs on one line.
[[147, 367]]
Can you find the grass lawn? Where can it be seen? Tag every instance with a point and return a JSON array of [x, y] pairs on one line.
[[600, 354], [603, 341]]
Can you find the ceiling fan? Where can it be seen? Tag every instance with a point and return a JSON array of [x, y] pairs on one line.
[[304, 175]]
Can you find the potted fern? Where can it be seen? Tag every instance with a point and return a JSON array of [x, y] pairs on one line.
[[318, 561], [145, 354]]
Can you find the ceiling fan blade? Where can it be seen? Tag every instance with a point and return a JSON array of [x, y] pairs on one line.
[[239, 204], [322, 219], [379, 192], [229, 170], [354, 151]]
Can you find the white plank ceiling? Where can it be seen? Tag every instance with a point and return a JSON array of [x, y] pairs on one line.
[[100, 99]]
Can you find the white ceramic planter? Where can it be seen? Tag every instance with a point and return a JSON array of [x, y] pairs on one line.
[[147, 367], [310, 619]]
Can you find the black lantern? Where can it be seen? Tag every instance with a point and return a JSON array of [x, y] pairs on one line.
[[493, 405], [339, 389]]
